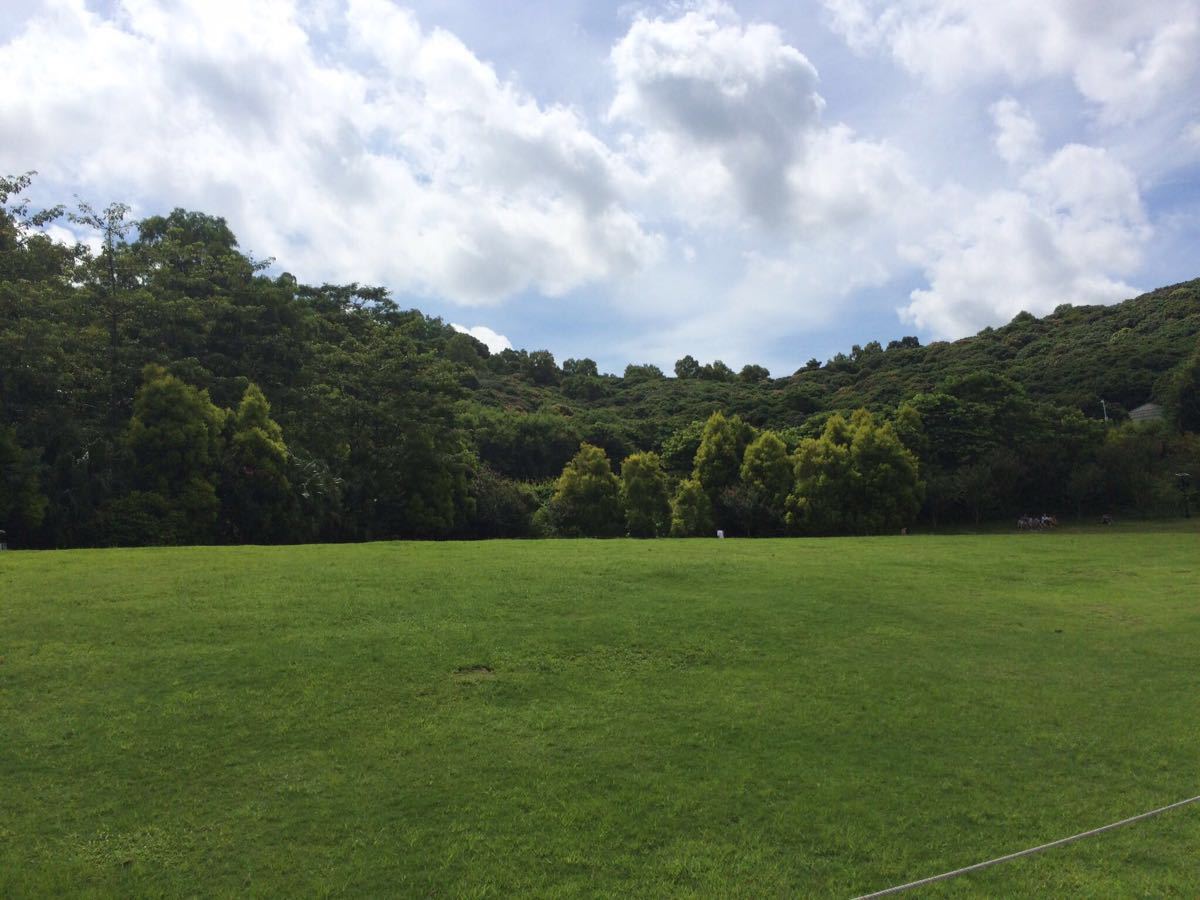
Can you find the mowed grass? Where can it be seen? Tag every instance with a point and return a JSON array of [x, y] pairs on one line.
[[583, 718]]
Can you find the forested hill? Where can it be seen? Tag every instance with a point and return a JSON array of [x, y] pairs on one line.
[[1074, 357], [166, 389]]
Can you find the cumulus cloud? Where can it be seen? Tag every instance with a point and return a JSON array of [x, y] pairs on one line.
[[494, 341], [713, 203], [1124, 57], [733, 101], [1069, 232], [725, 125], [390, 154]]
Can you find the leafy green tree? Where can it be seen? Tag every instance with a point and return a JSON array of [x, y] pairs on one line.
[[716, 371], [111, 280], [767, 479], [641, 372], [259, 502], [586, 367], [175, 437], [524, 446], [542, 369], [679, 448], [503, 508], [466, 351], [753, 374], [856, 478], [691, 510], [687, 367], [587, 501], [645, 496], [719, 456], [1135, 466]]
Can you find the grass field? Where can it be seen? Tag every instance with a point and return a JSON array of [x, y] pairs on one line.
[[583, 718]]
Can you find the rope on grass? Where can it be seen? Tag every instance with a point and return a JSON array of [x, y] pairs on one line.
[[1032, 850]]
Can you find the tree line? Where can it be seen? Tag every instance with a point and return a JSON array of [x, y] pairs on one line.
[[164, 388]]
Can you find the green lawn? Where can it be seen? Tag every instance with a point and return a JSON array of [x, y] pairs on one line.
[[584, 718]]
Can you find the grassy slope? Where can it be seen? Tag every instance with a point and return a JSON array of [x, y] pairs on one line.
[[748, 718]]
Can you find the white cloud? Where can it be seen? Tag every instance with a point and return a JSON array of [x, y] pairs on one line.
[[494, 341], [1018, 139], [723, 109], [1070, 231], [395, 156], [1125, 57], [716, 207]]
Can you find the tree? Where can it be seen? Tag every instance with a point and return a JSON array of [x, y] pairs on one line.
[[22, 504], [717, 371], [175, 439], [466, 351], [767, 478], [753, 374], [541, 368], [111, 279], [679, 448], [719, 456], [586, 501], [691, 510], [259, 502], [503, 507], [687, 367], [644, 496], [642, 372], [585, 366], [855, 478], [1186, 394]]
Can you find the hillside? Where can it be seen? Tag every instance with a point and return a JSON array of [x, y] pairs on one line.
[[167, 390]]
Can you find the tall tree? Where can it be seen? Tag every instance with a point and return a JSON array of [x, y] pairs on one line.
[[766, 478], [719, 456], [856, 478], [175, 437], [260, 506], [644, 496]]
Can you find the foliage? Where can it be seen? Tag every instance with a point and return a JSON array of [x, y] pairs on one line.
[[503, 508], [857, 478], [586, 501], [719, 455], [767, 478], [22, 505], [644, 496], [175, 437], [260, 504], [383, 418], [691, 510]]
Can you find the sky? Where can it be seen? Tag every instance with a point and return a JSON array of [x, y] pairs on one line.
[[762, 181]]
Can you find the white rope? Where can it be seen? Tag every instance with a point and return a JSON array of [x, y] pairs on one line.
[[1032, 850]]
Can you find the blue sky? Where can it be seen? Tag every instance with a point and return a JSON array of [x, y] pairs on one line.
[[758, 181]]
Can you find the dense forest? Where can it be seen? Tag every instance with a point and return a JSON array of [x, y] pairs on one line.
[[167, 389]]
